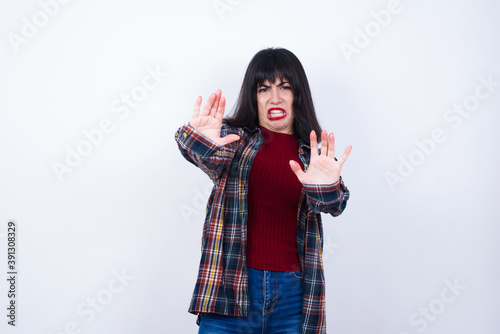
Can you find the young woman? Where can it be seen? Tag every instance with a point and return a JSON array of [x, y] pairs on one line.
[[261, 267]]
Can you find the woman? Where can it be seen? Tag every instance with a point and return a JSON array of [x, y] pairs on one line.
[[261, 267]]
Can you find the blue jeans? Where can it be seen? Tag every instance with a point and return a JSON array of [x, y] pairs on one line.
[[275, 306]]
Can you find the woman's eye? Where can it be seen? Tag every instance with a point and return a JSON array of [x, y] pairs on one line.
[[287, 87], [262, 90]]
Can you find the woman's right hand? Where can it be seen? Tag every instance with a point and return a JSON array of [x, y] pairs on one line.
[[209, 121]]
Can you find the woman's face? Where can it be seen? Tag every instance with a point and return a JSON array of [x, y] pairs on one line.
[[275, 104]]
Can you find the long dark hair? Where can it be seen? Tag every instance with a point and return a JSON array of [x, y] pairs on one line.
[[270, 64]]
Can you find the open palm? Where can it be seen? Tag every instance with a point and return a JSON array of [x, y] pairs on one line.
[[323, 168], [209, 121]]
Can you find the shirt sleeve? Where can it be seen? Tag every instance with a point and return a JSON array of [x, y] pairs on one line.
[[327, 198], [209, 156]]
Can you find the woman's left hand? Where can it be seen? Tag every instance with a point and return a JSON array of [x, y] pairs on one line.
[[323, 168]]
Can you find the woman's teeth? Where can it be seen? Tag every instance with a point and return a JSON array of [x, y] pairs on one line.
[[276, 113]]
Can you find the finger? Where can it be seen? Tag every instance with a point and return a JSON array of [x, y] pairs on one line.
[[324, 142], [220, 111], [208, 105], [215, 106], [331, 145], [196, 110], [229, 139], [294, 165], [314, 144], [344, 156]]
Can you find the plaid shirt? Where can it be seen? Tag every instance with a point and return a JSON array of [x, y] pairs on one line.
[[222, 284]]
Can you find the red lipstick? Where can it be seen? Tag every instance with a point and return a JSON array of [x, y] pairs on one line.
[[274, 114]]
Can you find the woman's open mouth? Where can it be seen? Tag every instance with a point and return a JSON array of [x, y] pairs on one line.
[[274, 114]]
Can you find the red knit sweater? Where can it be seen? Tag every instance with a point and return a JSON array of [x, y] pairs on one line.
[[273, 199]]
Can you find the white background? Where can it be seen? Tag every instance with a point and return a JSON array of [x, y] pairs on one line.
[[133, 204]]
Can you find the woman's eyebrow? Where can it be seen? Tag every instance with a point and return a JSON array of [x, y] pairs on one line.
[[280, 84]]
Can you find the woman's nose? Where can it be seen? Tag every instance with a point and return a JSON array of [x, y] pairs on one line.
[[275, 96]]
